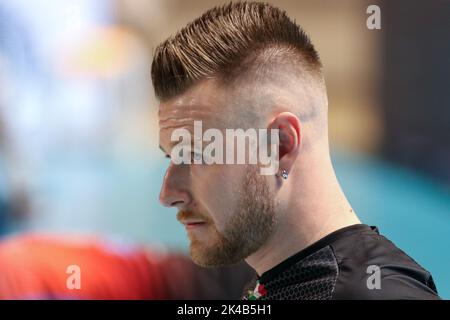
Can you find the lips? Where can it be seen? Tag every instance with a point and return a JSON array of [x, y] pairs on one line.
[[190, 219], [193, 224]]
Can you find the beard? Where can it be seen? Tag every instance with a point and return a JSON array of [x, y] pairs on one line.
[[247, 230]]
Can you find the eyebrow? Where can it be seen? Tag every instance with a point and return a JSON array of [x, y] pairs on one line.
[[162, 149]]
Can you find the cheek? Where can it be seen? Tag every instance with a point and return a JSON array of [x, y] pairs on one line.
[[218, 189]]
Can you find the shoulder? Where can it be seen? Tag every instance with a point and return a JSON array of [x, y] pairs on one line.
[[372, 267]]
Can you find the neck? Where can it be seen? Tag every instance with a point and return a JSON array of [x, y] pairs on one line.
[[315, 206]]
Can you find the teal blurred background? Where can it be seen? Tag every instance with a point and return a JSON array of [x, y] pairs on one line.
[[78, 128]]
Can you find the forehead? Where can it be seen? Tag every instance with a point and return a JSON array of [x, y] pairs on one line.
[[206, 101]]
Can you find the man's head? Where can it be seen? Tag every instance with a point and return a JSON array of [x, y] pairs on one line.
[[243, 65]]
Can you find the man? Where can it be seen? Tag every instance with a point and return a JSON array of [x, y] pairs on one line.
[[249, 66]]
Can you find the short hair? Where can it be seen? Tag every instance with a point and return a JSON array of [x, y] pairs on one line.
[[225, 42]]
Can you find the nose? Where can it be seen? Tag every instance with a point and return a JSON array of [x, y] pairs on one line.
[[174, 191]]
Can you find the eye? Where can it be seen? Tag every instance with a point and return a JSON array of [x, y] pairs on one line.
[[197, 156]]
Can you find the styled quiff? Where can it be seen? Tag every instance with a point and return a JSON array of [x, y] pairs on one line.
[[225, 42]]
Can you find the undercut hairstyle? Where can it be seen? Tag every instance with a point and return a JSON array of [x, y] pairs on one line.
[[229, 42]]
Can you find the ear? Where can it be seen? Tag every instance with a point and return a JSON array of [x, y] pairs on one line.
[[289, 128]]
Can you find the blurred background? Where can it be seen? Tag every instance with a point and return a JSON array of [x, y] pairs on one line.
[[78, 127]]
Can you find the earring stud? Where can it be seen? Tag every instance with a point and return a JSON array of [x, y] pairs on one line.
[[284, 174]]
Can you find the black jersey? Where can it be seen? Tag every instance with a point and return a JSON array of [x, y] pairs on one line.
[[355, 262]]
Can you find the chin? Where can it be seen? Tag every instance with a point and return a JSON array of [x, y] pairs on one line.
[[213, 255]]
